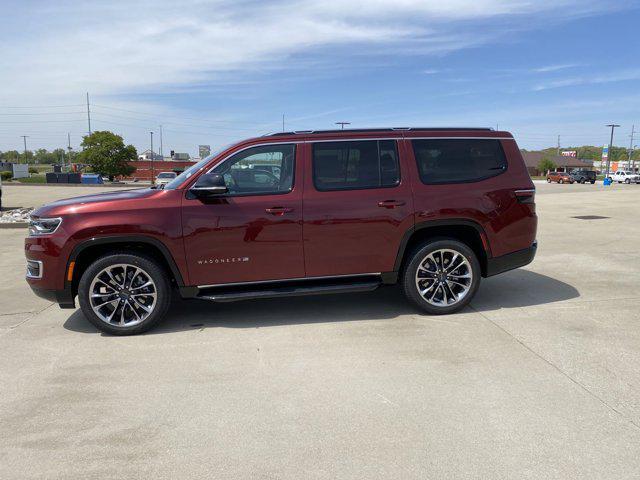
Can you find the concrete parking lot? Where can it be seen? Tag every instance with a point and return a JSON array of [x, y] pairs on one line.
[[539, 378]]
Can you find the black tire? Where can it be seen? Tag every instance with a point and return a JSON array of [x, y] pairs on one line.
[[583, 181], [548, 180], [561, 181], [593, 182], [408, 275], [148, 266], [627, 181]]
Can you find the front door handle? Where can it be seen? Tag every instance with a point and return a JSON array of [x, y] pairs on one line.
[[279, 211], [391, 203]]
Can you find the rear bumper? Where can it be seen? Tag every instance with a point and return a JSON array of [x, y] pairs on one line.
[[510, 261], [64, 298]]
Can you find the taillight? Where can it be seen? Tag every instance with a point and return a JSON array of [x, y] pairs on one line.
[[528, 198]]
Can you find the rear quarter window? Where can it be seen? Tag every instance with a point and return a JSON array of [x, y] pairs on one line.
[[458, 160]]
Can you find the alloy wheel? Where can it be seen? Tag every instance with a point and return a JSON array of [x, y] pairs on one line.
[[444, 277], [122, 295]]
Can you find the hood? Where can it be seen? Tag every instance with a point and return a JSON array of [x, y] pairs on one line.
[[89, 202]]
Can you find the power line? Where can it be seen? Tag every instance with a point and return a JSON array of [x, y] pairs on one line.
[[43, 106], [40, 113]]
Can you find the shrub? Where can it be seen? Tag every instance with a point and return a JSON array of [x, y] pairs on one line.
[[545, 165], [6, 175], [33, 170]]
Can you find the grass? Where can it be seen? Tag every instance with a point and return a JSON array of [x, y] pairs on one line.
[[32, 179]]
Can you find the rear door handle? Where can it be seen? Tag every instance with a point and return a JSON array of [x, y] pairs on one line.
[[391, 203], [278, 210]]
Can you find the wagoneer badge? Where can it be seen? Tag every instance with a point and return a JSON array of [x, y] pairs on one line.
[[207, 261]]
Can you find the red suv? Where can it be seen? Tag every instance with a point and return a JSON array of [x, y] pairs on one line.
[[293, 214]]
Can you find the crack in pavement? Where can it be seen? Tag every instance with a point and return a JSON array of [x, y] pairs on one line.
[[558, 369]]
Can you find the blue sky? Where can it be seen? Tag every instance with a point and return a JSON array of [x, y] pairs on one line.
[[212, 72]]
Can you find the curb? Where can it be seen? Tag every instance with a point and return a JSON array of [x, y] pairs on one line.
[[13, 225]]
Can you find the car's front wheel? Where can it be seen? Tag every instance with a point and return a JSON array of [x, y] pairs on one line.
[[124, 293], [441, 277], [627, 181]]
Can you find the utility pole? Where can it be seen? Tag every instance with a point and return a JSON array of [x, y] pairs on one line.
[[558, 145], [152, 171], [88, 114], [342, 124], [24, 137], [613, 126], [69, 148], [633, 128], [161, 153], [283, 122]]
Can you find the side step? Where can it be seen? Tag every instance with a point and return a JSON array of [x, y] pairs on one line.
[[288, 289]]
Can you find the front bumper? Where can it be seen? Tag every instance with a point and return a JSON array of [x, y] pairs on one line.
[[64, 298], [511, 261]]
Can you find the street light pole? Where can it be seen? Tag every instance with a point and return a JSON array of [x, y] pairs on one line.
[[613, 126], [24, 137], [152, 171]]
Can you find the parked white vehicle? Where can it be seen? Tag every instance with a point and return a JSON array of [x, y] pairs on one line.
[[622, 176], [165, 177]]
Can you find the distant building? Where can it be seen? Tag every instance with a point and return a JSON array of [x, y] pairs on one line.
[[182, 157], [563, 163], [146, 155]]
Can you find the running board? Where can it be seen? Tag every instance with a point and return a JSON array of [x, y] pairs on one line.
[[287, 289]]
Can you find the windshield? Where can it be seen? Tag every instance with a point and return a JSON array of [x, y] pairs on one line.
[[180, 179], [166, 175]]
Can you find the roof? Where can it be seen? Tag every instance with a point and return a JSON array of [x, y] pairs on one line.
[[374, 130], [532, 159]]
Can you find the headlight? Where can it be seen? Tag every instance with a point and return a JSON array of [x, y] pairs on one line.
[[43, 226]]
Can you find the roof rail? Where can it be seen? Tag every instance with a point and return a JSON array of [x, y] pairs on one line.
[[394, 129]]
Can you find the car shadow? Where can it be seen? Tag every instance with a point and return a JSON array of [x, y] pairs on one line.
[[519, 288]]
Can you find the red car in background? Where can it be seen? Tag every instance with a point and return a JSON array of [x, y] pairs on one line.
[[559, 177]]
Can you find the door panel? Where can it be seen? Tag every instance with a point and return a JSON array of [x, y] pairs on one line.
[[247, 237], [352, 230]]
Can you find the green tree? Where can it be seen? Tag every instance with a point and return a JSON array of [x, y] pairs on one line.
[[546, 164], [107, 154]]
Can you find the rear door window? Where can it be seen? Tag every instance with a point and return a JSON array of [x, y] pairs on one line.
[[458, 160], [355, 165]]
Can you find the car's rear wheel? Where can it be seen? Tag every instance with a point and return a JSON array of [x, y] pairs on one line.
[[441, 277], [561, 181], [627, 181], [124, 293], [548, 180]]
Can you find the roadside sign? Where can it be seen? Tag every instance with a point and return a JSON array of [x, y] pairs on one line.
[[605, 152]]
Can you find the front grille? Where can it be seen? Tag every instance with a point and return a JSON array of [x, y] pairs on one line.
[[34, 269]]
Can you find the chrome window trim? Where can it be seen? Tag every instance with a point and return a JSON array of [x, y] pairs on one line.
[[252, 146], [40, 269], [298, 279], [349, 139]]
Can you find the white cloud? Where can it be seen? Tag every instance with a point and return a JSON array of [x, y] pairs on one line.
[[128, 47], [616, 76], [555, 68]]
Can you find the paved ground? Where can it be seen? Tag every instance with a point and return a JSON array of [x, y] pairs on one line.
[[539, 379]]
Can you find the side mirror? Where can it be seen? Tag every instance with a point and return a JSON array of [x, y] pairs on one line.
[[209, 184]]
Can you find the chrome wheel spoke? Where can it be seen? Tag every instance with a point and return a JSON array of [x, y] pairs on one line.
[[147, 284], [143, 307]]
